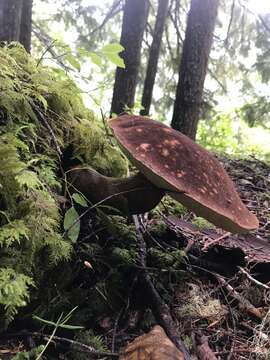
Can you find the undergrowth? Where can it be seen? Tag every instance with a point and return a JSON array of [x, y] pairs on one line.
[[40, 110]]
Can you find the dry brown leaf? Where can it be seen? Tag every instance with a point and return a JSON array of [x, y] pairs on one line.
[[154, 345]]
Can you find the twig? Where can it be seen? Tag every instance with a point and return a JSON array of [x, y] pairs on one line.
[[48, 127], [265, 25], [257, 282], [49, 43], [230, 24], [261, 334], [112, 12], [115, 328], [106, 127], [48, 49], [79, 346], [212, 74], [215, 241], [160, 310], [245, 304], [232, 349]]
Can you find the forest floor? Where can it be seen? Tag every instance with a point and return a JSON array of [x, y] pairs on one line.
[[215, 285]]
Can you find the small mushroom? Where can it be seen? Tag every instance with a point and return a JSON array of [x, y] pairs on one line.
[[169, 162]]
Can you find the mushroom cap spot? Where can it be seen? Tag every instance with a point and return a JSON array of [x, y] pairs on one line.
[[144, 146], [165, 152], [189, 173]]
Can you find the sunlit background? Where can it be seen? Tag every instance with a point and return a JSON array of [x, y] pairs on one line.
[[98, 96]]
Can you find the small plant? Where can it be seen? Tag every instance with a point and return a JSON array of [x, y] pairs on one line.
[[60, 323]]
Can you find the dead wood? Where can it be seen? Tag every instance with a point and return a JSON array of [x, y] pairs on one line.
[[159, 308], [202, 348]]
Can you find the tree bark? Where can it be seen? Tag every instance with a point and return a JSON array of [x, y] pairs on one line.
[[26, 25], [134, 21], [153, 56], [10, 19], [193, 66], [16, 21]]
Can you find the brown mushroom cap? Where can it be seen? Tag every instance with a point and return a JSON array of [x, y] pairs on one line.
[[185, 170]]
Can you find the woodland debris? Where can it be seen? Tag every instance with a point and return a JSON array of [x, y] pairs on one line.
[[80, 347], [203, 350], [154, 345], [243, 303], [255, 248], [159, 308], [255, 193], [255, 281]]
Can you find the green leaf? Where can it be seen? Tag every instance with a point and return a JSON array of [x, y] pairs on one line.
[[47, 322], [95, 58], [79, 199], [71, 327], [72, 228], [115, 59], [55, 324], [73, 61], [112, 48]]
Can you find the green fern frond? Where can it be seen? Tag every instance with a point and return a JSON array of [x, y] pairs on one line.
[[14, 291], [29, 179], [13, 232]]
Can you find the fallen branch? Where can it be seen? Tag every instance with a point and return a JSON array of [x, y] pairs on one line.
[[78, 345], [215, 241], [160, 310], [244, 303], [257, 282]]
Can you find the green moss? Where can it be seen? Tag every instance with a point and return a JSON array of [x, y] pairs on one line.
[[199, 304], [202, 224], [30, 218], [171, 207], [29, 355], [123, 256], [165, 259], [159, 228], [117, 226], [88, 338]]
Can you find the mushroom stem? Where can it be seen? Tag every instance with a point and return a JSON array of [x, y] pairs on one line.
[[131, 195]]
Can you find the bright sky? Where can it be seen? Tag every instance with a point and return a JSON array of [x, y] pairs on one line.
[[259, 6]]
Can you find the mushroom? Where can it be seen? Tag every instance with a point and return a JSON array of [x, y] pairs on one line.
[[168, 162]]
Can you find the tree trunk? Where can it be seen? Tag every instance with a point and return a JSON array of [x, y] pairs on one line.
[[26, 25], [153, 56], [134, 21], [10, 19], [193, 66], [16, 21]]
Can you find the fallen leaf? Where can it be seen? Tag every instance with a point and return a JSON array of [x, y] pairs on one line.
[[154, 345]]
